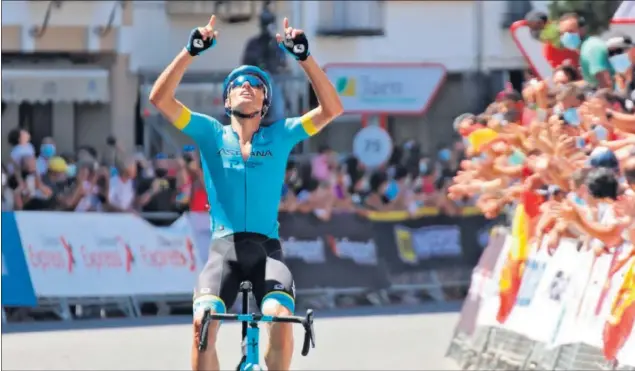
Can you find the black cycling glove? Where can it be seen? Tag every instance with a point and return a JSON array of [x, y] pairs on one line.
[[196, 45], [297, 46]]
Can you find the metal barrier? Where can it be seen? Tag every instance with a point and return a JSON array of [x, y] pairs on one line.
[[357, 263], [485, 341], [491, 348]]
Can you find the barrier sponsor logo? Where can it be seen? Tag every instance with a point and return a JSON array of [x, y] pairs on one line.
[[175, 252], [309, 251], [107, 253], [427, 242], [51, 253], [533, 272], [360, 252], [558, 286]]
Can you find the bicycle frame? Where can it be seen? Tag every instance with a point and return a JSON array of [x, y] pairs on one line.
[[251, 333]]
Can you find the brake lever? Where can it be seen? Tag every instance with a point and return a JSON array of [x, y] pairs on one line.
[[309, 333], [202, 342]]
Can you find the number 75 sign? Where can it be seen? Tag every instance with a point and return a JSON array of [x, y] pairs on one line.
[[372, 146]]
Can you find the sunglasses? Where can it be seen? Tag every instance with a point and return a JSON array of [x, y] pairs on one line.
[[253, 81]]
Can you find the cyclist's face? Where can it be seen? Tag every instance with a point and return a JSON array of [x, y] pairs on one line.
[[246, 94]]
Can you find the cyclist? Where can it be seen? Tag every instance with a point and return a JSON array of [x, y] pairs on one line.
[[244, 165]]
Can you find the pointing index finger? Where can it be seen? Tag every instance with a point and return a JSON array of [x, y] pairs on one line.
[[285, 23], [212, 20]]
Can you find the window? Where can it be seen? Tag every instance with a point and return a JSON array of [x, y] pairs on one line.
[[515, 10], [235, 11], [351, 18]]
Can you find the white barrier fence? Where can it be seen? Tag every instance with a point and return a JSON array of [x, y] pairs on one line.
[[573, 311]]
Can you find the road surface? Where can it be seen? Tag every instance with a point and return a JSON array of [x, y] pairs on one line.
[[368, 339]]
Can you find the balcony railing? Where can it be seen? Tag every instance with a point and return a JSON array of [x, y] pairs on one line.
[[351, 18]]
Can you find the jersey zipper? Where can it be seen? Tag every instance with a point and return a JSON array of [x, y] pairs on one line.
[[245, 198]]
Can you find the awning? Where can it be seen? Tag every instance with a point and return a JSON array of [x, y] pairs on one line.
[[205, 98], [55, 85]]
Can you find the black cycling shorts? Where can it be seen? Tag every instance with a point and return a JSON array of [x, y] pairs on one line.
[[245, 257]]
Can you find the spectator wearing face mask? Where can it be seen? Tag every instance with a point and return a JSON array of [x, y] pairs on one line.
[[546, 31], [445, 165], [157, 193], [594, 56], [602, 184], [389, 194], [47, 151], [569, 100], [622, 58]]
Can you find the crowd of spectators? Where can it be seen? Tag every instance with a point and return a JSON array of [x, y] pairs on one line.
[[563, 149], [409, 181], [115, 181]]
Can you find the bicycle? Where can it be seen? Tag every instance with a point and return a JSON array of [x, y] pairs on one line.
[[251, 333]]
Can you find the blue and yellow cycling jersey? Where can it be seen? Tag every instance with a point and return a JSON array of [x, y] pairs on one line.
[[244, 195]]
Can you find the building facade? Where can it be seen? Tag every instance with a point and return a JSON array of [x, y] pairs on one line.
[[81, 70]]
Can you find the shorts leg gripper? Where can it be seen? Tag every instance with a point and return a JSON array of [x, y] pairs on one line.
[[282, 298]]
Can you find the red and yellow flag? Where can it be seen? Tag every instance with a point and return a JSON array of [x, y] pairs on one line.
[[619, 325], [512, 272]]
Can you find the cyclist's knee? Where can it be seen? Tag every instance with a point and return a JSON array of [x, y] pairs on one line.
[[215, 305], [279, 304]]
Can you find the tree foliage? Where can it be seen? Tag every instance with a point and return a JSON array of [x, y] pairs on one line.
[[597, 13]]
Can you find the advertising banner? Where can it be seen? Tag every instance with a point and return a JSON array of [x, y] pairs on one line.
[[98, 255], [397, 88]]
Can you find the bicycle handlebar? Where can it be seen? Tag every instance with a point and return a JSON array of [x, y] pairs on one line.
[[307, 323]]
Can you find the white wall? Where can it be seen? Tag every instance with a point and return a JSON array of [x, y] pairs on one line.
[[422, 31]]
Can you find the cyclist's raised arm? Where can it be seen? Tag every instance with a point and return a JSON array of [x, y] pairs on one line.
[[162, 95], [163, 91], [330, 105], [295, 43]]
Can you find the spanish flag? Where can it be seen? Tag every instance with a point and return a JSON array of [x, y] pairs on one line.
[[619, 325], [512, 272]]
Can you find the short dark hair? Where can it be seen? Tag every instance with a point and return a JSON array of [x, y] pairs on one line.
[[571, 72], [602, 183], [14, 136], [376, 180], [570, 15]]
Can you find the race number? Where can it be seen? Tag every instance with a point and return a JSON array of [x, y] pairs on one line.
[[372, 146]]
